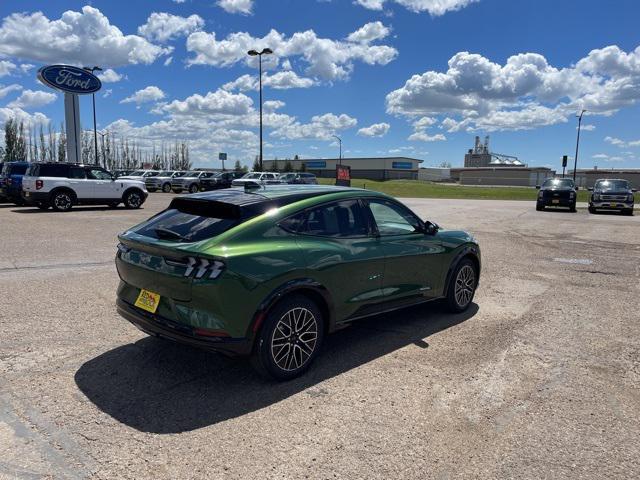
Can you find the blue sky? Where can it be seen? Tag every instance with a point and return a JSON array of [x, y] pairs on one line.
[[417, 78]]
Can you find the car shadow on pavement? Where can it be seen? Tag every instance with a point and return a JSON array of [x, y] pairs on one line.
[[163, 387], [75, 209]]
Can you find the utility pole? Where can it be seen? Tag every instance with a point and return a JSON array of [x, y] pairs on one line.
[[253, 53], [575, 160], [340, 144]]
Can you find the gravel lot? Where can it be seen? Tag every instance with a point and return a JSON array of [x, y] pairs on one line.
[[540, 379]]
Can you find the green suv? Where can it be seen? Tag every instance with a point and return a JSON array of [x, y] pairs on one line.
[[269, 272]]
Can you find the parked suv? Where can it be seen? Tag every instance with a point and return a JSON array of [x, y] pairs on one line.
[[161, 181], [219, 180], [612, 194], [190, 181], [557, 192], [11, 181], [299, 178], [270, 272], [63, 185], [257, 178]]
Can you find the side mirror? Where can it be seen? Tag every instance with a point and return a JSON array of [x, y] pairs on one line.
[[634, 190], [577, 188], [537, 187], [590, 189], [431, 228]]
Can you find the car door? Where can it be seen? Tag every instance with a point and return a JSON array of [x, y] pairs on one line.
[[82, 187], [104, 187], [413, 259], [342, 255]]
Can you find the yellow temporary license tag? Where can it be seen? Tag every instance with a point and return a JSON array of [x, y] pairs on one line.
[[148, 301]]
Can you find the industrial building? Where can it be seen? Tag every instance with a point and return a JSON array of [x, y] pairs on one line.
[[481, 156], [510, 176], [373, 168], [587, 177]]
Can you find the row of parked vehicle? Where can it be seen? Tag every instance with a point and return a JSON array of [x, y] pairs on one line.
[[204, 180], [62, 185], [613, 194]]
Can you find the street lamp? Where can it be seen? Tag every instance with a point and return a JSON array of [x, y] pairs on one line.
[[575, 160], [340, 143], [253, 53], [93, 97]]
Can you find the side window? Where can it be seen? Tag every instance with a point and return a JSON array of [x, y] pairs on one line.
[[76, 172], [393, 219], [342, 219], [97, 174]]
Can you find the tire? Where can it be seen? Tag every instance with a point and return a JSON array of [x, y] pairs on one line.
[[133, 199], [43, 205], [62, 201], [539, 207], [166, 188], [177, 190], [279, 336], [19, 202], [194, 188], [629, 211], [462, 287], [572, 208], [591, 209]]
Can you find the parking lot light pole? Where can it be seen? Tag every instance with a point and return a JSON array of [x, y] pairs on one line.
[[253, 53], [95, 130], [339, 143], [575, 160]]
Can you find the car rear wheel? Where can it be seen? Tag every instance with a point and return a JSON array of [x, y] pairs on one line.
[[463, 286], [193, 188], [62, 201], [133, 199], [290, 338], [166, 188]]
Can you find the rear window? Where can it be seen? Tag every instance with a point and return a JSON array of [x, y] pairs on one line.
[[189, 220], [15, 169], [49, 170]]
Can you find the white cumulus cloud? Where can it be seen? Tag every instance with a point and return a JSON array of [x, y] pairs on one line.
[[162, 27], [77, 38], [321, 127], [325, 58], [7, 68], [375, 130], [33, 99], [433, 7], [244, 7], [145, 95], [370, 32], [110, 76]]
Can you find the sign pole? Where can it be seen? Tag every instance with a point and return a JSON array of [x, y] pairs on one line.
[[72, 123]]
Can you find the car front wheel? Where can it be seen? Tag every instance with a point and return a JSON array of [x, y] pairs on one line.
[[463, 286], [290, 338], [166, 188], [193, 188]]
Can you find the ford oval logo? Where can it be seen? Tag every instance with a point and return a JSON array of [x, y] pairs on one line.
[[69, 79]]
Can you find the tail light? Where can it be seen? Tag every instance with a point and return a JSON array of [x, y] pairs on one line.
[[204, 268], [39, 184]]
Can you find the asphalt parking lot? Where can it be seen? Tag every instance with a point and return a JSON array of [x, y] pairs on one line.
[[540, 379]]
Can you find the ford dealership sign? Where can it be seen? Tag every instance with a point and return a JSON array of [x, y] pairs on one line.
[[69, 79]]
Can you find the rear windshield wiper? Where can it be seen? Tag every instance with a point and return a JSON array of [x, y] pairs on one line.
[[166, 234]]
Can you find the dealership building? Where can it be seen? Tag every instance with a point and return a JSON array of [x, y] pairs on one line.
[[372, 168]]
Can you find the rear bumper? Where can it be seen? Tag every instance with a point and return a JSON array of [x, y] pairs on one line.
[[557, 202], [158, 326], [35, 197]]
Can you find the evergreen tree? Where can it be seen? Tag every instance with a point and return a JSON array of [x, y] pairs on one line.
[[256, 165]]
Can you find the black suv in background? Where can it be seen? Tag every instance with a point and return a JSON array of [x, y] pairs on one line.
[[557, 192], [219, 180], [612, 194]]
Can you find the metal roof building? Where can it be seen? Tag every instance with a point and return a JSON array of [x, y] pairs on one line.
[[373, 168]]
